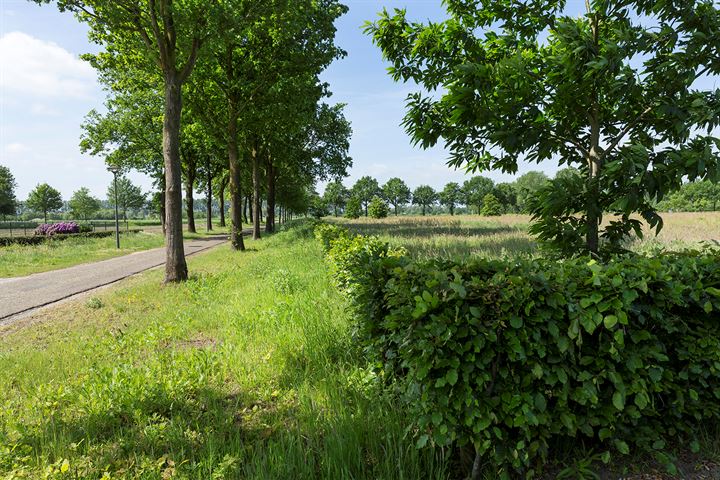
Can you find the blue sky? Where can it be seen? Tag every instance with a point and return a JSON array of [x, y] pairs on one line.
[[45, 91]]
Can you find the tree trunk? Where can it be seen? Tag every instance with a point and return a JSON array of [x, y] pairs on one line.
[[221, 200], [175, 265], [256, 190], [396, 209], [270, 222], [236, 237], [594, 215], [209, 224], [249, 215], [189, 199]]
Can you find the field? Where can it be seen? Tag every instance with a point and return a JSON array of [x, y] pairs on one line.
[[470, 235], [247, 371]]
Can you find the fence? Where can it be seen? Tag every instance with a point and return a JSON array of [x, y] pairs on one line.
[[27, 229]]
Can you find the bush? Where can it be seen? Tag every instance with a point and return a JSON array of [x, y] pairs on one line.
[[491, 206], [377, 208], [514, 357], [38, 239], [353, 209], [62, 228]]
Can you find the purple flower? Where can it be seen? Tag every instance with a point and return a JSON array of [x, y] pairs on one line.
[[62, 228]]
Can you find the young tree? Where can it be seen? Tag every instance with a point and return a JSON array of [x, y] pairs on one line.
[[612, 92], [129, 196], [336, 196], [425, 196], [8, 201], [353, 209], [475, 189], [83, 205], [377, 208], [364, 190], [397, 193], [491, 206], [506, 193], [44, 198], [451, 196]]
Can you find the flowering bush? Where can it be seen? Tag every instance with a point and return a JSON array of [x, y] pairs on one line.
[[63, 228]]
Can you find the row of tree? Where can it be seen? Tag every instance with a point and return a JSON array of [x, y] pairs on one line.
[[225, 95], [477, 194], [45, 200]]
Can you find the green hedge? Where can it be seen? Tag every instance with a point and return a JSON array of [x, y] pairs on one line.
[[513, 357], [38, 239]]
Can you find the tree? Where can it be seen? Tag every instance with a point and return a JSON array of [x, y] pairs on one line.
[[451, 196], [612, 92], [529, 185], [353, 209], [163, 37], [83, 205], [425, 196], [336, 196], [693, 197], [44, 198], [396, 193], [364, 190], [475, 189], [506, 193], [491, 206], [377, 208], [8, 201], [129, 196]]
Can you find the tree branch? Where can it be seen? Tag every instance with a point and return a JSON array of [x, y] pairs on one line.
[[618, 138]]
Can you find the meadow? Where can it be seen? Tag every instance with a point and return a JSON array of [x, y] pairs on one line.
[[248, 371]]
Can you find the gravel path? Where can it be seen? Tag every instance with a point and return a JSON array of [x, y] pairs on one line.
[[23, 294]]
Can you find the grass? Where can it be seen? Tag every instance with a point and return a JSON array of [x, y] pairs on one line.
[[492, 237], [246, 371]]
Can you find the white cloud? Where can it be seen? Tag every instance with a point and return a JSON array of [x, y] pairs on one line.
[[42, 69], [44, 110], [16, 148]]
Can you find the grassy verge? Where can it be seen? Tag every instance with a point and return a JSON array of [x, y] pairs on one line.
[[246, 371]]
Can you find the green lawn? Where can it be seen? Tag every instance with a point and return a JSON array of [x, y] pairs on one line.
[[246, 371]]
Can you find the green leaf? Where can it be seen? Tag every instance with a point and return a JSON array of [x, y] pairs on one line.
[[610, 321], [708, 307], [618, 400], [622, 447], [452, 377], [516, 322], [422, 441]]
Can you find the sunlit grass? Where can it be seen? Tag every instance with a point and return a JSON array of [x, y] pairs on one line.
[[246, 371]]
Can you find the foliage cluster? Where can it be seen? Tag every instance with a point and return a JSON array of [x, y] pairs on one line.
[[62, 228], [38, 239], [513, 357], [377, 208]]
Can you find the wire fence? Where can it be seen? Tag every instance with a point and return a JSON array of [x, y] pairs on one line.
[[27, 229]]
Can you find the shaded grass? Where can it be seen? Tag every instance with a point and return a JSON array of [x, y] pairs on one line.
[[246, 371]]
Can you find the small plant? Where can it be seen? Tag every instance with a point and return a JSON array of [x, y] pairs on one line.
[[94, 303], [377, 208]]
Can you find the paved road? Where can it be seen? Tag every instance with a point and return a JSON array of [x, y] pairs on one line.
[[19, 295]]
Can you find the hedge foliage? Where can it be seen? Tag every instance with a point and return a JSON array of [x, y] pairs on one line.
[[513, 357], [39, 239]]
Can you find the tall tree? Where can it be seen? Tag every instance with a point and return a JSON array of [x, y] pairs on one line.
[[336, 196], [8, 201], [506, 194], [451, 196], [163, 37], [475, 189], [612, 91], [425, 196], [83, 205], [529, 185], [364, 190], [45, 199], [397, 193]]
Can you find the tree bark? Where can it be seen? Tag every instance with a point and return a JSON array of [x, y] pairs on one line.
[[221, 200], [189, 198], [175, 265], [256, 190], [236, 238], [209, 224], [270, 222]]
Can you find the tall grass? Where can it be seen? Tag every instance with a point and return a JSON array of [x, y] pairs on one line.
[[246, 371]]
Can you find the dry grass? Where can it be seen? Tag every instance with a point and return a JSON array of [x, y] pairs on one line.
[[472, 235]]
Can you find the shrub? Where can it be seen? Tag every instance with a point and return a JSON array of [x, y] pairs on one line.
[[513, 357], [62, 228], [353, 209], [377, 208], [38, 239], [491, 206]]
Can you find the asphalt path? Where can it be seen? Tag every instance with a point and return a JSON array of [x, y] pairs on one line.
[[24, 294]]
